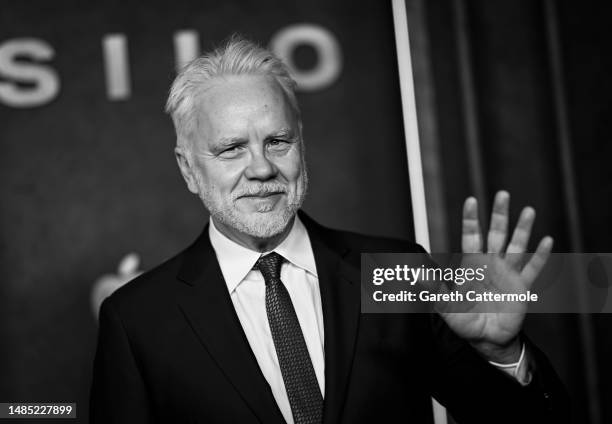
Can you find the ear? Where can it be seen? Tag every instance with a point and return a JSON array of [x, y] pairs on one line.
[[183, 158]]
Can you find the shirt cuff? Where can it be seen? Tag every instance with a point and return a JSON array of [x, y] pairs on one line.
[[518, 370]]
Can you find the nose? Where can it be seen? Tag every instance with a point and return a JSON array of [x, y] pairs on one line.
[[260, 167]]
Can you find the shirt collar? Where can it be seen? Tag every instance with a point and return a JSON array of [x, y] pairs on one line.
[[236, 261]]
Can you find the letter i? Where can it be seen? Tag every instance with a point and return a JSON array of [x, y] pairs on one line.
[[116, 67], [186, 47]]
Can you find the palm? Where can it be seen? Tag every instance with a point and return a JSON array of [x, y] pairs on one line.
[[498, 323]]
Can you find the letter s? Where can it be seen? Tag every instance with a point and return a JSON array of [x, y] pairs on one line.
[[44, 79], [480, 273]]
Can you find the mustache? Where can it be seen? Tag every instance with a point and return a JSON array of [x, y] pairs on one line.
[[259, 190]]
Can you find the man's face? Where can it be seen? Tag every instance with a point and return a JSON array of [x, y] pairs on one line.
[[247, 156]]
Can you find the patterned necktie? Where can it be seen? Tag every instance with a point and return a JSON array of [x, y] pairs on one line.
[[297, 370]]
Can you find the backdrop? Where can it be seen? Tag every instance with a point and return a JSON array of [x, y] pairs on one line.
[[87, 169]]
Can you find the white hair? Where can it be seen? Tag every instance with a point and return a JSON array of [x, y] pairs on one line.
[[238, 56]]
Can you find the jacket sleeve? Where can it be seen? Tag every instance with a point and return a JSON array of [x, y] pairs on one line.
[[474, 391], [118, 392]]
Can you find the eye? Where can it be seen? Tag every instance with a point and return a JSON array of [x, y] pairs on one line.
[[231, 151], [278, 145]]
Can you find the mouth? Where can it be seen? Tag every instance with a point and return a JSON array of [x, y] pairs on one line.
[[262, 202], [261, 195]]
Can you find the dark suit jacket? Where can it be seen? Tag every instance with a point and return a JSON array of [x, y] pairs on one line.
[[171, 350]]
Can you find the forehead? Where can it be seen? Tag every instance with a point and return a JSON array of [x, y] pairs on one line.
[[233, 105]]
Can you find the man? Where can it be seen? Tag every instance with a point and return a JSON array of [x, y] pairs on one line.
[[259, 319]]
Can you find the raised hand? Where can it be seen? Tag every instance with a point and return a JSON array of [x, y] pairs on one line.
[[493, 328]]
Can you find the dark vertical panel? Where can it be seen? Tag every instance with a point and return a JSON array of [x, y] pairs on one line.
[[451, 129], [585, 40], [470, 108], [571, 200], [420, 48], [520, 152], [353, 130]]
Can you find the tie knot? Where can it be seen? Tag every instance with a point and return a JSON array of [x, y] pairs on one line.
[[270, 266]]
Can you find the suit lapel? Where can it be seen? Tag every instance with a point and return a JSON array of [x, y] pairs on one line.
[[340, 297], [208, 308]]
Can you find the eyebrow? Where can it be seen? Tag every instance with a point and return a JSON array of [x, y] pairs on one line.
[[283, 132], [232, 141]]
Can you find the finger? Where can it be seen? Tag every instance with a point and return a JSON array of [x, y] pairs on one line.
[[498, 230], [471, 238], [538, 260], [520, 236]]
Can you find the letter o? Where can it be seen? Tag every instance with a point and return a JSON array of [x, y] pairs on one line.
[[329, 55]]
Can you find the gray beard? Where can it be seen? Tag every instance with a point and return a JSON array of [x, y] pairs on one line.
[[262, 224]]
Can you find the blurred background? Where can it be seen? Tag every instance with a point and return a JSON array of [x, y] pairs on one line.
[[510, 95]]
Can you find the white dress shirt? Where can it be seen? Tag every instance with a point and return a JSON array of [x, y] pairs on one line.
[[299, 275], [247, 290]]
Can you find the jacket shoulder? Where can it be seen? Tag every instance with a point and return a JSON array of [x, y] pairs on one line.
[[342, 240], [376, 244]]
